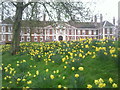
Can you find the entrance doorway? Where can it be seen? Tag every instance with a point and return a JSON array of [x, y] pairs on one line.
[[60, 38]]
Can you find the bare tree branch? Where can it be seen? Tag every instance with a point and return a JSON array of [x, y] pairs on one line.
[[14, 4], [28, 4]]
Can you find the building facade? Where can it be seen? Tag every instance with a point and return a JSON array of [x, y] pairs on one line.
[[60, 31]]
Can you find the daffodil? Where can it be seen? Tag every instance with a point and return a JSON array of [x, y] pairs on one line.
[[47, 70], [37, 72], [59, 86], [18, 79], [96, 82], [76, 75], [101, 85], [23, 79], [73, 68], [52, 76], [81, 68], [110, 80], [101, 80], [89, 86], [114, 85], [29, 82], [65, 66], [63, 77]]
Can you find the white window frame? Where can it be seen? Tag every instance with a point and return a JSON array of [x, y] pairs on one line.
[[22, 39], [9, 37], [94, 32], [3, 37], [9, 29], [35, 39], [47, 38], [90, 32], [3, 28], [41, 39], [83, 32], [78, 31], [28, 39]]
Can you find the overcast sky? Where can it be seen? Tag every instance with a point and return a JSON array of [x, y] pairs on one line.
[[109, 8]]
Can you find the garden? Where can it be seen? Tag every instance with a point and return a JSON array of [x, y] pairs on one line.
[[66, 64]]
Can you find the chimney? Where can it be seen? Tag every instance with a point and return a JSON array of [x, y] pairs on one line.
[[92, 19], [101, 18], [95, 19], [44, 16], [114, 20]]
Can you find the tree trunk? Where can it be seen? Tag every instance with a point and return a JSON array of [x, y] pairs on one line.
[[17, 28]]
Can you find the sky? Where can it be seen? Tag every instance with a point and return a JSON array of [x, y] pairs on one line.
[[108, 8]]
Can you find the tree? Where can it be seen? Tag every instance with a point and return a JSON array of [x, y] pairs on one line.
[[20, 6]]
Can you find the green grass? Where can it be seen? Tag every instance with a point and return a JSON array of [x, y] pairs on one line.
[[94, 68]]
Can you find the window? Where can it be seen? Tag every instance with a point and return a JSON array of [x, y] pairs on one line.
[[105, 30], [9, 29], [69, 32], [94, 32], [28, 39], [22, 39], [47, 38], [60, 31], [3, 28], [111, 31], [9, 37], [35, 39], [78, 31], [86, 32], [41, 39], [83, 32], [3, 38], [90, 32]]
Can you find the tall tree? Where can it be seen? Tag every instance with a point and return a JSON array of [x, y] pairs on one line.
[[20, 6]]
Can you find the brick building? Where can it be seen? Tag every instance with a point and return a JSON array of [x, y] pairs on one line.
[[49, 31]]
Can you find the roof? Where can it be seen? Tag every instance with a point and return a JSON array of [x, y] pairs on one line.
[[36, 23], [33, 23], [84, 24], [107, 23]]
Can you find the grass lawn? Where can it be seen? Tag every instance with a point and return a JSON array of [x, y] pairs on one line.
[[75, 64]]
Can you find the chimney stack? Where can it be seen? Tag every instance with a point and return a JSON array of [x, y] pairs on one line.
[[114, 20], [101, 18], [95, 19], [92, 19], [44, 16]]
